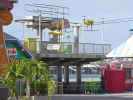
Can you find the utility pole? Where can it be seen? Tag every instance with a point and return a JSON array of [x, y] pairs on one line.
[[102, 33]]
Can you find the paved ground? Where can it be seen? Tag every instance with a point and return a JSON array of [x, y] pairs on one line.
[[94, 97]]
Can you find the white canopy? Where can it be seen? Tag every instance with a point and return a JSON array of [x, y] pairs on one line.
[[124, 50]]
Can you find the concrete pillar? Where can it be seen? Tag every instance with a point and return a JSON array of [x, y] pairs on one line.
[[66, 74], [78, 74], [59, 79], [59, 76], [78, 78]]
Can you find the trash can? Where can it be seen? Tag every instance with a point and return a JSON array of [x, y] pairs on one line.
[[4, 93]]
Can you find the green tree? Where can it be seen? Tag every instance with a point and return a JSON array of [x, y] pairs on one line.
[[13, 73], [35, 73]]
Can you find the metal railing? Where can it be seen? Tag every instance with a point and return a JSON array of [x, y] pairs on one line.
[[68, 48]]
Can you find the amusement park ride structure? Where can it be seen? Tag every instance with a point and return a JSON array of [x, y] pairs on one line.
[[55, 19], [5, 19], [46, 16], [56, 52]]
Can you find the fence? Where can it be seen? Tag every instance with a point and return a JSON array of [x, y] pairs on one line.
[[69, 48]]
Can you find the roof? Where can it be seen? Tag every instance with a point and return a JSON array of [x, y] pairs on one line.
[[10, 37], [123, 50]]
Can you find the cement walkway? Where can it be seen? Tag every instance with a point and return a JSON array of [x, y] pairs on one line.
[[123, 96]]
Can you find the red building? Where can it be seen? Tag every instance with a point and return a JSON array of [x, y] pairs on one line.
[[118, 77]]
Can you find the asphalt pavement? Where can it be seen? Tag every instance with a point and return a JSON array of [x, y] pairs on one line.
[[88, 97]]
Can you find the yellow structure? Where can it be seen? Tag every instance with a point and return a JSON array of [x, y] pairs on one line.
[[31, 44], [88, 22], [55, 33]]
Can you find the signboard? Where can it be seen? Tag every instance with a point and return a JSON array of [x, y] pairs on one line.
[[53, 47], [12, 52]]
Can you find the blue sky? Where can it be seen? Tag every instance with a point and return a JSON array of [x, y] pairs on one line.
[[94, 9]]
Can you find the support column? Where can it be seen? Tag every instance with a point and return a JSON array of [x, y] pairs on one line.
[[59, 68], [66, 74], [78, 74], [78, 78], [66, 79], [59, 79]]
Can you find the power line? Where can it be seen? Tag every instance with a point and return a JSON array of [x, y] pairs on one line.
[[49, 8], [114, 21], [52, 6]]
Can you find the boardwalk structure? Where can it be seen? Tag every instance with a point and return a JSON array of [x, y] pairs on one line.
[[87, 53], [57, 52], [66, 54]]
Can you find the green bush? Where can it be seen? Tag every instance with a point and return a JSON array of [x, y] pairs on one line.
[[40, 87], [92, 87]]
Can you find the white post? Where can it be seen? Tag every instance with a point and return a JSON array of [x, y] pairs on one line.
[[28, 88], [76, 39], [38, 45], [39, 40]]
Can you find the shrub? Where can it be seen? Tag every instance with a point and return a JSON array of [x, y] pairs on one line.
[[92, 86]]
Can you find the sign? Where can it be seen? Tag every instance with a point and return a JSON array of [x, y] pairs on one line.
[[53, 47], [12, 51]]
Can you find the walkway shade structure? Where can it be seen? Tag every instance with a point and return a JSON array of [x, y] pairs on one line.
[[124, 50]]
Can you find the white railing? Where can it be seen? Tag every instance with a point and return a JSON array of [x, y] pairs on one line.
[[69, 48]]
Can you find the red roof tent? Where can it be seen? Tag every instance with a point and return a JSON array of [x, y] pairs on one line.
[[7, 4]]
